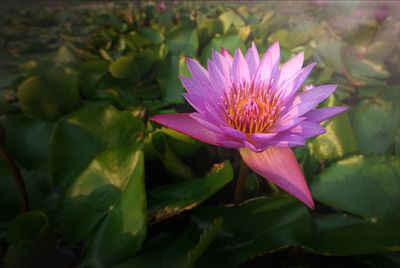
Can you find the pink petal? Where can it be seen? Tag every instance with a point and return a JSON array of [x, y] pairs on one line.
[[222, 63], [279, 165], [305, 72], [192, 86], [308, 100], [240, 70], [187, 125], [307, 130], [227, 55], [198, 72], [262, 76], [217, 79], [253, 59], [322, 114], [291, 67], [206, 121], [275, 58]]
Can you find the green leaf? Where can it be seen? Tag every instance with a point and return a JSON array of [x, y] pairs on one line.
[[30, 239], [173, 164], [376, 122], [172, 199], [371, 73], [168, 80], [49, 96], [145, 59], [344, 235], [254, 228], [230, 42], [229, 18], [330, 50], [397, 140], [184, 251], [39, 190], [183, 40], [339, 139], [135, 41], [90, 74], [288, 39], [151, 35], [125, 68], [368, 186], [27, 141], [106, 206], [85, 133], [208, 28], [181, 144]]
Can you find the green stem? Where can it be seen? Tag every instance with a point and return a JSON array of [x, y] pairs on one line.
[[19, 182], [241, 182]]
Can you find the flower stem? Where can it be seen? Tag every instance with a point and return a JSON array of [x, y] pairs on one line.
[[241, 181], [19, 182]]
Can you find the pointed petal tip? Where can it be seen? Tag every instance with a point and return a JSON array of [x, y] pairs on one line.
[[225, 53], [309, 203], [279, 165]]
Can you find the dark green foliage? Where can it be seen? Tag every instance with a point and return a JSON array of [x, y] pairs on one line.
[[108, 188]]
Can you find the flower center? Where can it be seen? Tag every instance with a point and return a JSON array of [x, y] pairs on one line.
[[251, 110]]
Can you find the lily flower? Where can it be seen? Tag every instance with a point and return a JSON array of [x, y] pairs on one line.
[[253, 105]]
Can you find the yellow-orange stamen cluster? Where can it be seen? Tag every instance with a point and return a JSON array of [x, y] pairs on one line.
[[251, 109]]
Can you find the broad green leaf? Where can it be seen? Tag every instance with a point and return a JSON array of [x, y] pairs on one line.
[[145, 60], [229, 18], [208, 28], [135, 41], [181, 144], [39, 189], [49, 96], [90, 74], [339, 139], [167, 78], [397, 141], [367, 71], [125, 68], [368, 186], [64, 56], [85, 133], [330, 50], [183, 40], [288, 39], [106, 206], [29, 238], [27, 141], [152, 35], [230, 42], [344, 235], [253, 228], [376, 122], [172, 163], [172, 199], [183, 251]]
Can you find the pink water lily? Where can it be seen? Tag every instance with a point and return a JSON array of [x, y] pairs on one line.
[[254, 105]]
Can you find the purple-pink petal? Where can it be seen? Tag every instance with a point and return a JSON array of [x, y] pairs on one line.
[[198, 72], [291, 67], [279, 165], [308, 100], [240, 70], [322, 114], [253, 59], [307, 130], [185, 124]]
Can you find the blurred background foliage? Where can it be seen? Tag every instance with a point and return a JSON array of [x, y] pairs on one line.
[[108, 188]]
